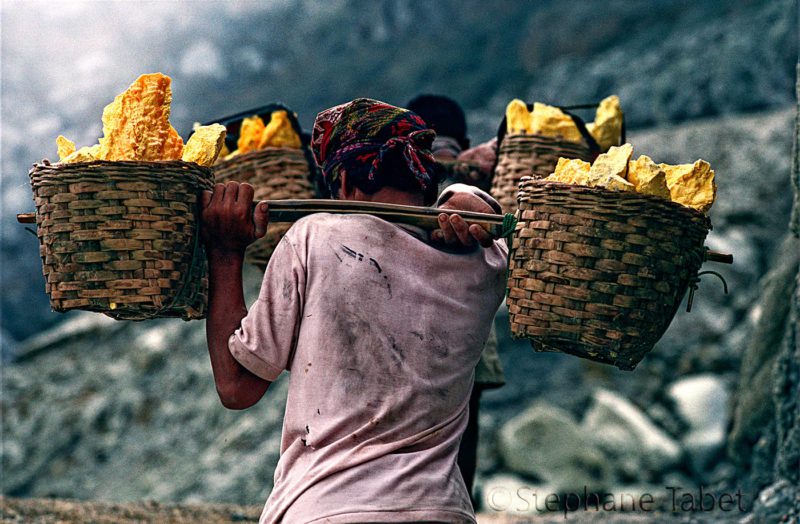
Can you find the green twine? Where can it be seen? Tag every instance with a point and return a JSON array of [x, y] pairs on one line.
[[509, 226]]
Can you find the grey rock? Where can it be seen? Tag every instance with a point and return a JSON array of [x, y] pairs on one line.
[[778, 503], [546, 443], [753, 414], [624, 432]]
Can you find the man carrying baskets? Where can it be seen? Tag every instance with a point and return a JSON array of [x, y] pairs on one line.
[[380, 328]]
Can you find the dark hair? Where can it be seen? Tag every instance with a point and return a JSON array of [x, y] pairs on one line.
[[394, 172], [443, 115]]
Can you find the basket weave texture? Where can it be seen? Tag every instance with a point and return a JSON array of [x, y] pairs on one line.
[[122, 238], [599, 274], [276, 173], [529, 155]]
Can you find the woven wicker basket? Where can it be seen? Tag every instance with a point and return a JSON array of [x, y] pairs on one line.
[[599, 274], [122, 238], [529, 155], [276, 173]]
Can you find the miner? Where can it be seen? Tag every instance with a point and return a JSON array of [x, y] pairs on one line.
[[380, 327]]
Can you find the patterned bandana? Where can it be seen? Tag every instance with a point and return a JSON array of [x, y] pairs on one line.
[[354, 138]]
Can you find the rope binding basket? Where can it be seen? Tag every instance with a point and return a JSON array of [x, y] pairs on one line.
[[122, 238], [276, 173], [536, 156], [597, 273]]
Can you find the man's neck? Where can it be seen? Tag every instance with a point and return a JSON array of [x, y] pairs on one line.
[[390, 195]]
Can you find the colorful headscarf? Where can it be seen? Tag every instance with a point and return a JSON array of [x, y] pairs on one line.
[[354, 138]]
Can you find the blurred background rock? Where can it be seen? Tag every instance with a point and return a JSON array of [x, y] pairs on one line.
[[98, 409]]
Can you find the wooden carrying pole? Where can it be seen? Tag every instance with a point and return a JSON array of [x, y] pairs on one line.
[[288, 211]]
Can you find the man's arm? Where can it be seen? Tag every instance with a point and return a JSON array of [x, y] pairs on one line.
[[228, 228]]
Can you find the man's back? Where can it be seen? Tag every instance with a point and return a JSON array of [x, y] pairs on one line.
[[381, 333]]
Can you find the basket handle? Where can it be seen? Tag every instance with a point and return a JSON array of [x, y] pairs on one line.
[[594, 147], [594, 106]]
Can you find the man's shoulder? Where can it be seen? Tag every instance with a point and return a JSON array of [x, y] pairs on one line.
[[323, 226], [335, 222]]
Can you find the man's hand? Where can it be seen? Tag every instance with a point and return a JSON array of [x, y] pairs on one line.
[[454, 231], [229, 225]]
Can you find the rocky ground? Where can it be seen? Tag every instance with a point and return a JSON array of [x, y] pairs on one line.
[[52, 511], [61, 511]]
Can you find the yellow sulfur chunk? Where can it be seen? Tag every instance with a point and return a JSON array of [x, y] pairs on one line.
[[691, 184], [173, 146], [570, 171], [279, 132], [607, 126], [84, 154], [204, 145], [518, 118], [65, 147], [551, 121], [648, 177], [610, 169], [613, 162], [136, 124], [615, 183], [250, 134]]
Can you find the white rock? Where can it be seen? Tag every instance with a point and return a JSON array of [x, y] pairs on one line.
[[702, 402]]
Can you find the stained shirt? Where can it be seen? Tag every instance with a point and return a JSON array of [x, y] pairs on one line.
[[381, 332]]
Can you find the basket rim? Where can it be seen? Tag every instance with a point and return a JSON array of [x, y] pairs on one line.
[[264, 151], [524, 137], [45, 173], [604, 193], [63, 165]]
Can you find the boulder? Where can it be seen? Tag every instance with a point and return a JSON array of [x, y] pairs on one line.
[[623, 431], [702, 402], [546, 443]]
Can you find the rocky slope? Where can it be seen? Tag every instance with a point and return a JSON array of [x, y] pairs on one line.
[[124, 411]]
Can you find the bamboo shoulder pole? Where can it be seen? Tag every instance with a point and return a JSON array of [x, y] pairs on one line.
[[424, 217]]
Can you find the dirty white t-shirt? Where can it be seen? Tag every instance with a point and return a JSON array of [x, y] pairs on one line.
[[381, 333]]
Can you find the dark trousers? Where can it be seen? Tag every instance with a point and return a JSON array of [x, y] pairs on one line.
[[468, 451]]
